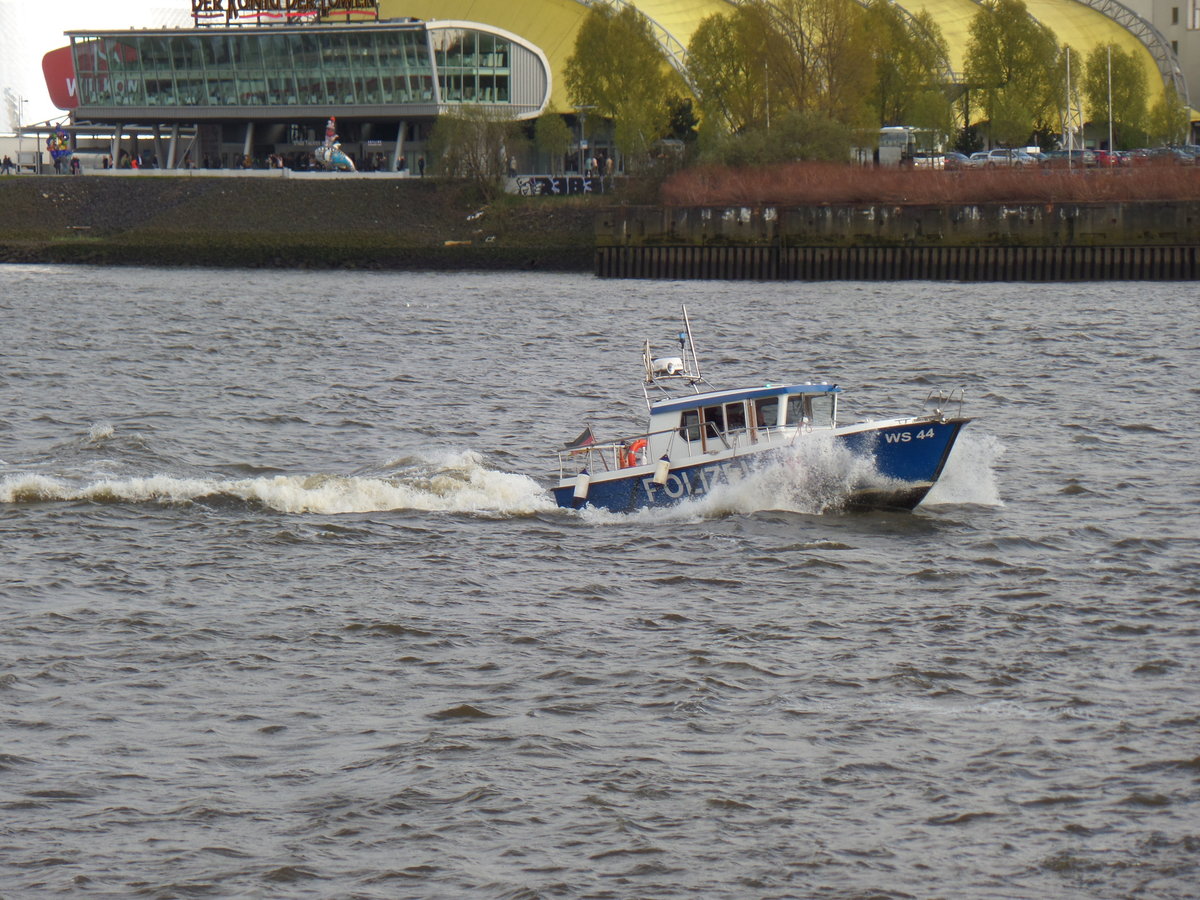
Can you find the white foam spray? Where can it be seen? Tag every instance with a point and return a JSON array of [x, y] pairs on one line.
[[969, 477]]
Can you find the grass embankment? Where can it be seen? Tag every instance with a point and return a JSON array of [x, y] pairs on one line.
[[804, 184], [442, 225], [258, 222]]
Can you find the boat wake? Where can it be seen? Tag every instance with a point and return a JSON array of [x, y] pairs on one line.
[[456, 483]]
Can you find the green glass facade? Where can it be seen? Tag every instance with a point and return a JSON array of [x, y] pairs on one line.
[[472, 66], [275, 67]]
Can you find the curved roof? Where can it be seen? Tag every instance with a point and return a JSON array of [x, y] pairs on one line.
[[548, 24], [553, 24], [1083, 28]]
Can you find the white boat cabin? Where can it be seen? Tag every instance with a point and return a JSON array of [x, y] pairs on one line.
[[701, 425], [737, 420]]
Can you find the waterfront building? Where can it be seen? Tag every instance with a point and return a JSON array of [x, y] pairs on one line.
[[244, 88], [253, 79]]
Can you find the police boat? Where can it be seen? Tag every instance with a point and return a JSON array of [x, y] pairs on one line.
[[699, 438]]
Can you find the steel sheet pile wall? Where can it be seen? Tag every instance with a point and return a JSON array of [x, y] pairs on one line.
[[985, 242]]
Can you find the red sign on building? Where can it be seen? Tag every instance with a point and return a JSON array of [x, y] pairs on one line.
[[66, 85], [59, 69]]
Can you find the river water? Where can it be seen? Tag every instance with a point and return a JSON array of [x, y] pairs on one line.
[[287, 611]]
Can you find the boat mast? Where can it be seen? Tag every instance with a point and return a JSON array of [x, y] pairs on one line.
[[691, 344], [675, 369]]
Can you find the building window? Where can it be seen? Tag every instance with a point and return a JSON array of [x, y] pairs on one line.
[[306, 67], [472, 66], [1174, 15]]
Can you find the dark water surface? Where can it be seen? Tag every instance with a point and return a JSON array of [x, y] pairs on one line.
[[287, 612]]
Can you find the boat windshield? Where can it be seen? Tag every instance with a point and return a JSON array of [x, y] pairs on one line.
[[822, 406], [816, 408]]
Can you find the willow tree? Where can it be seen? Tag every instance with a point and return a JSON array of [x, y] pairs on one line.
[[729, 65], [783, 79], [1168, 121], [1108, 65], [617, 70], [763, 59], [909, 56], [1012, 64], [826, 65], [552, 138]]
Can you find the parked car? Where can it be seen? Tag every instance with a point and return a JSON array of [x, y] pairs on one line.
[[955, 160], [1064, 159], [1167, 156], [1001, 156], [925, 161]]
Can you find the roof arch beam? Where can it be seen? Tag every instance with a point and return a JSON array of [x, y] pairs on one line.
[[1152, 39], [674, 50]]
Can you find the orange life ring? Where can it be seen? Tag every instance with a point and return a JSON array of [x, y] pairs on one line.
[[629, 456]]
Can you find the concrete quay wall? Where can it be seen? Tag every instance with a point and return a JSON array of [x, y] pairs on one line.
[[975, 242]]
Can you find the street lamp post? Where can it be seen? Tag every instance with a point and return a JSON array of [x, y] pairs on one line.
[[21, 101], [1110, 124], [582, 113]]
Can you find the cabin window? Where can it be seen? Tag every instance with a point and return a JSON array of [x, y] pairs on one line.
[[795, 409], [689, 426], [766, 412], [714, 420], [821, 407], [735, 416]]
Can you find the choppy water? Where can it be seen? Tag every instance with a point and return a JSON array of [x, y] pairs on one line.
[[287, 611]]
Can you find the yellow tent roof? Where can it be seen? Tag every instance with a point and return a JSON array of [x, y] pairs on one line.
[[553, 24]]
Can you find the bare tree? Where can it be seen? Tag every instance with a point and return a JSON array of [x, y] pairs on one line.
[[474, 142]]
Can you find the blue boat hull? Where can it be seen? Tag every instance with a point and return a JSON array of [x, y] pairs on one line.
[[907, 461]]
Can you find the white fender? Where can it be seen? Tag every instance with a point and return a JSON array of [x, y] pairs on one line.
[[662, 470], [582, 481]]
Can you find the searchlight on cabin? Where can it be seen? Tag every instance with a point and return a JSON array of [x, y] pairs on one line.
[[667, 365]]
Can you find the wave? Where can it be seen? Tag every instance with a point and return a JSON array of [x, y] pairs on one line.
[[458, 483]]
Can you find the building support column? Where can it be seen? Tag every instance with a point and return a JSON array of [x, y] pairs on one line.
[[173, 148], [248, 147], [115, 147], [158, 147], [399, 151]]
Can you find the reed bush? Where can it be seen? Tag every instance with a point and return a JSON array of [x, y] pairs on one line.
[[802, 184]]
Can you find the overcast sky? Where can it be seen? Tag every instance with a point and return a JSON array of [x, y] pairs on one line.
[[41, 28]]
